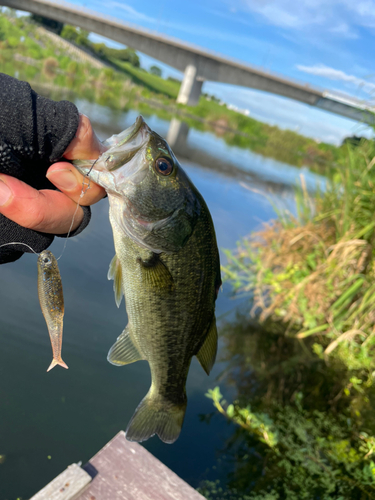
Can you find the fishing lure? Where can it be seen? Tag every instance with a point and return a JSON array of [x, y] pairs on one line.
[[51, 302]]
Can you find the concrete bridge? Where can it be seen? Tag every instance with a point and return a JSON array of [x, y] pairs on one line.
[[198, 64]]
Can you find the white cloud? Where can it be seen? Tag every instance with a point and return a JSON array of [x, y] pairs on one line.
[[338, 75], [363, 10], [338, 17], [344, 30], [130, 13], [288, 13]]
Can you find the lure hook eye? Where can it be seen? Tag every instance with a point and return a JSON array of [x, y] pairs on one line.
[[110, 161]]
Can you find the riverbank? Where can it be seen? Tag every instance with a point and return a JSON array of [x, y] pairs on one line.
[[27, 54], [314, 272], [304, 410]]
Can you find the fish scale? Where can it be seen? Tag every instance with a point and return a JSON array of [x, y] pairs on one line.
[[176, 317], [166, 265]]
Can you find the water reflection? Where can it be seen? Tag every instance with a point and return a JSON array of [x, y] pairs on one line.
[[70, 414], [321, 424], [265, 177], [208, 151], [177, 134]]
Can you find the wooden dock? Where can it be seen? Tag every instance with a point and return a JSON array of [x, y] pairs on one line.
[[120, 471]]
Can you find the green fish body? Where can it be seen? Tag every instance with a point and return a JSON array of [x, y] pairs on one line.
[[167, 266], [51, 301]]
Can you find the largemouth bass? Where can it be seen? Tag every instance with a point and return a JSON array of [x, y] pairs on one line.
[[52, 302], [166, 265]]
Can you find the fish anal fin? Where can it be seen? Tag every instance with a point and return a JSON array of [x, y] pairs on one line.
[[115, 274], [155, 272], [207, 353], [123, 351]]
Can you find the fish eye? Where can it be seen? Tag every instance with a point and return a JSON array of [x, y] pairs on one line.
[[163, 166], [46, 260]]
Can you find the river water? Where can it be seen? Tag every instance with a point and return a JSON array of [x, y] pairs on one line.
[[50, 420]]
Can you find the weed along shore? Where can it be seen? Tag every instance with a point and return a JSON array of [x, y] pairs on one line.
[[304, 410], [314, 272]]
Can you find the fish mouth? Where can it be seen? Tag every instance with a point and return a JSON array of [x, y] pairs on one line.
[[124, 147], [126, 135], [115, 166]]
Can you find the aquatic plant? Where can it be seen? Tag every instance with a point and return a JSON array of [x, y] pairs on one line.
[[300, 454], [300, 428]]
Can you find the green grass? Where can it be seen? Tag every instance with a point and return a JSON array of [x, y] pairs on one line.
[[304, 367], [315, 274], [152, 82]]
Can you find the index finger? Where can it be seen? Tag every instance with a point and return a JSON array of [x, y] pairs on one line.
[[85, 145]]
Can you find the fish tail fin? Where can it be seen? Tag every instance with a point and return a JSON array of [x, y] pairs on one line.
[[55, 362], [155, 415]]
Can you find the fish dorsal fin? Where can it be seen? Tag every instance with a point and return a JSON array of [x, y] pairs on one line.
[[155, 272], [115, 274], [123, 351], [207, 353]]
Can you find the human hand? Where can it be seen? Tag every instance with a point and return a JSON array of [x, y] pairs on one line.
[[52, 211]]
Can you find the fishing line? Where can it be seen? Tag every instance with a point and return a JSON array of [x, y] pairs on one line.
[[83, 192], [19, 243], [70, 228]]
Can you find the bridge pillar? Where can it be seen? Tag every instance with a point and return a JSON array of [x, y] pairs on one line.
[[177, 134], [190, 89]]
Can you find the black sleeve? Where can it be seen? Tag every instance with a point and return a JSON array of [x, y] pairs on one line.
[[34, 133]]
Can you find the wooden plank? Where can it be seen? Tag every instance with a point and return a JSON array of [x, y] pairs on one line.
[[66, 486], [127, 471]]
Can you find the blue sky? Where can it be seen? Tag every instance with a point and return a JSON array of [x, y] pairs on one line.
[[326, 43]]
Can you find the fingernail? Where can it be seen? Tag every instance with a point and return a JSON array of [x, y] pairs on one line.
[[5, 193], [64, 179]]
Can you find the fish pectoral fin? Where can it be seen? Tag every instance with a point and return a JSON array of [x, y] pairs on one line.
[[155, 272], [123, 351], [207, 353], [115, 274]]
